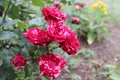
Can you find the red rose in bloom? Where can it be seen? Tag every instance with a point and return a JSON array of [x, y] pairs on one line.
[[79, 6], [37, 36], [58, 31], [75, 20], [51, 65], [57, 5], [19, 61], [71, 45], [53, 14]]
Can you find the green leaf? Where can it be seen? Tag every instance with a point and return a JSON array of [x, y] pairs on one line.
[[44, 78], [2, 76], [21, 75], [87, 53], [28, 71], [90, 38], [74, 76], [14, 12], [39, 3], [105, 31], [115, 76], [38, 21], [0, 20], [64, 1], [22, 24], [8, 24], [1, 62], [5, 35], [74, 63]]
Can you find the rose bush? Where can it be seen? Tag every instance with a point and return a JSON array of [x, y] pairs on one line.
[[38, 33], [56, 31]]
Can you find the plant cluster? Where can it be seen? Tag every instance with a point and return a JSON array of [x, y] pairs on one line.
[[56, 31], [34, 39], [88, 22]]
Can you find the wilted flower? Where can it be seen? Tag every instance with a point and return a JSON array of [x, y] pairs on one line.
[[53, 14], [37, 36], [57, 5], [75, 20], [51, 65], [19, 61], [79, 6]]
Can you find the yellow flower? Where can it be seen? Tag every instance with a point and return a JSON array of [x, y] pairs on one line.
[[93, 7], [104, 10], [100, 4]]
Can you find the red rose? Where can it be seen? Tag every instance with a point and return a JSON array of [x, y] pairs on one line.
[[19, 61], [53, 14], [75, 20], [57, 5], [57, 31], [37, 36], [51, 65], [71, 44]]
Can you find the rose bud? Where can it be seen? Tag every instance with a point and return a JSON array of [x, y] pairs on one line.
[[79, 6], [57, 5], [75, 20], [51, 65], [19, 61]]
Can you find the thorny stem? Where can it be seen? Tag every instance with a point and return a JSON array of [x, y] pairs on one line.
[[6, 10], [4, 16], [52, 48]]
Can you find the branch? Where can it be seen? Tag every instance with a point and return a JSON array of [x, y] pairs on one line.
[[6, 10]]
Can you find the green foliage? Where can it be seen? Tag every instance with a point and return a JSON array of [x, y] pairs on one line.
[[21, 24], [5, 35], [37, 21], [74, 63], [88, 54], [91, 25], [39, 3], [113, 71], [74, 76], [14, 13]]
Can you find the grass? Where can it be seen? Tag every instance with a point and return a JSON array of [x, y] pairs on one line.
[[112, 6]]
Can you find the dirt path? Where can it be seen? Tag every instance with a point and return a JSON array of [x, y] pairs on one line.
[[114, 39]]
